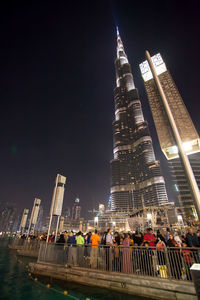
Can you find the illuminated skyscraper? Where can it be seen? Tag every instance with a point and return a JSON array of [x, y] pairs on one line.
[[76, 209], [176, 132], [136, 178]]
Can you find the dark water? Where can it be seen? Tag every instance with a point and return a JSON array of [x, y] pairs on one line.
[[16, 284]]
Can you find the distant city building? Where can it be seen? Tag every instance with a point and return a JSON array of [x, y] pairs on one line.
[[8, 218], [76, 209], [109, 202], [136, 177], [190, 141], [66, 213], [101, 208]]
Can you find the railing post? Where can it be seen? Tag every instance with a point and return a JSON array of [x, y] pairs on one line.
[[168, 263]]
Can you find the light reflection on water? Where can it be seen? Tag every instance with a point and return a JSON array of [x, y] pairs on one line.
[[16, 284]]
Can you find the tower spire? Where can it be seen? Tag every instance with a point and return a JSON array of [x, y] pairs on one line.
[[122, 74], [117, 29]]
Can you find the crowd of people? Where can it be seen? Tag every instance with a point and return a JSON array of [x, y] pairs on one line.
[[147, 253]]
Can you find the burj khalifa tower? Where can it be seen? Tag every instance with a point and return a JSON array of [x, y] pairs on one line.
[[136, 178]]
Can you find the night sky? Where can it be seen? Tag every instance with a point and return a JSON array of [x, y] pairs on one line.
[[57, 80]]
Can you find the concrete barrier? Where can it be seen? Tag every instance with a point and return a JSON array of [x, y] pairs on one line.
[[155, 288]]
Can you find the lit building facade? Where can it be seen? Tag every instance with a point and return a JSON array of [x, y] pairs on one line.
[[136, 178], [76, 209], [174, 127], [8, 218]]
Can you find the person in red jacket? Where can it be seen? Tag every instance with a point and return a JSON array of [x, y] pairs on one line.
[[188, 259], [150, 238]]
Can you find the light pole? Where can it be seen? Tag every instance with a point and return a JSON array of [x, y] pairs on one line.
[[56, 203], [23, 220], [34, 215]]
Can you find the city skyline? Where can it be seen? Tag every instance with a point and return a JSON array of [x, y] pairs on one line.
[[55, 120]]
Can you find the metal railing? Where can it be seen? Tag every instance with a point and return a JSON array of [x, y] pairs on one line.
[[33, 245], [26, 244], [171, 263], [17, 242]]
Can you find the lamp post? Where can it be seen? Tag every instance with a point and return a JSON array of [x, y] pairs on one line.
[[23, 220], [34, 215], [57, 202]]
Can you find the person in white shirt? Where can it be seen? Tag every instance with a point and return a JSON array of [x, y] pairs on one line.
[[177, 239], [109, 244]]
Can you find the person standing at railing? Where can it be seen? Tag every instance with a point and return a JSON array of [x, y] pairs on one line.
[[138, 239], [160, 236], [72, 256], [193, 242], [150, 238], [117, 253], [109, 244], [161, 257], [126, 258], [177, 239], [198, 235], [95, 240], [65, 236], [188, 260], [61, 240], [174, 257], [80, 247], [146, 260], [192, 239]]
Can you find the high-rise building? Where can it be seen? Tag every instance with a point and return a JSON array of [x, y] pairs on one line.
[[76, 209], [136, 178], [8, 217], [66, 213], [176, 131]]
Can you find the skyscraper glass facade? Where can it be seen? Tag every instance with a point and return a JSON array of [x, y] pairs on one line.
[[136, 178]]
